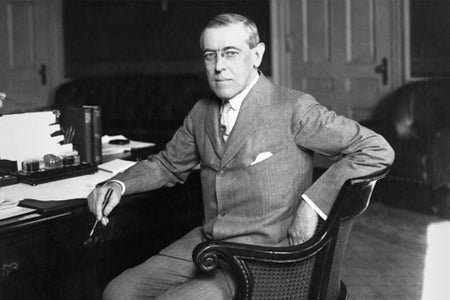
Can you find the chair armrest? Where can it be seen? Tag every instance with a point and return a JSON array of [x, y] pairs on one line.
[[207, 254]]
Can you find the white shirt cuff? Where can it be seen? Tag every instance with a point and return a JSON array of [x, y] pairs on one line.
[[122, 185], [314, 206]]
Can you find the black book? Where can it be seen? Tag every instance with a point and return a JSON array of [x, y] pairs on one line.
[[78, 121], [96, 133]]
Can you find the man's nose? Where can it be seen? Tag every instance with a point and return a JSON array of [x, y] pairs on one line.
[[220, 63]]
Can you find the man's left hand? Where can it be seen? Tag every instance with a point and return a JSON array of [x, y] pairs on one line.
[[303, 225]]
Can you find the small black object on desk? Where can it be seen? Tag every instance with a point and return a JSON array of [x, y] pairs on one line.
[[119, 142], [6, 166]]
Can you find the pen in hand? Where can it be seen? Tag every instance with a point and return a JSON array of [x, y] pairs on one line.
[[105, 202]]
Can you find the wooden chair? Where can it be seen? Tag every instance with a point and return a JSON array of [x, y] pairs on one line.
[[307, 271]]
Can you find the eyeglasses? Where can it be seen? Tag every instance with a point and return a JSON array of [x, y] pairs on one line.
[[229, 55]]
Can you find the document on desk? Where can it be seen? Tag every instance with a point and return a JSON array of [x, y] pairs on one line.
[[116, 166], [14, 211], [9, 209], [66, 189]]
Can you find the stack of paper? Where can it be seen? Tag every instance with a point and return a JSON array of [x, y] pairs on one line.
[[29, 136], [116, 166], [9, 208]]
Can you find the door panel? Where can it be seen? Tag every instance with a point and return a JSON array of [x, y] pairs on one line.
[[336, 46], [24, 54]]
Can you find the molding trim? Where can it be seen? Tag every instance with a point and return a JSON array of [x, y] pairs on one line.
[[280, 42]]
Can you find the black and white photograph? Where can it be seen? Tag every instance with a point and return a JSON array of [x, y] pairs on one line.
[[224, 149]]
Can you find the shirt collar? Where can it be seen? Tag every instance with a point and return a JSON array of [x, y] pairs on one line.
[[237, 100]]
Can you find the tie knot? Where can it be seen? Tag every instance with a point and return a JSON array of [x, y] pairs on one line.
[[226, 106]]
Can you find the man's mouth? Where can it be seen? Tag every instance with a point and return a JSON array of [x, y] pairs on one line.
[[221, 80]]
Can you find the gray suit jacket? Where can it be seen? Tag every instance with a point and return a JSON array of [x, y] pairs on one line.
[[255, 203]]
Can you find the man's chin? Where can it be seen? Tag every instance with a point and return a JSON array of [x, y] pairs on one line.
[[224, 94]]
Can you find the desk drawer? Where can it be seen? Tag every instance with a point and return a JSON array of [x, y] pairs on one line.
[[24, 264]]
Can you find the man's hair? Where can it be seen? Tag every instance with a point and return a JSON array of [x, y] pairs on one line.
[[226, 19]]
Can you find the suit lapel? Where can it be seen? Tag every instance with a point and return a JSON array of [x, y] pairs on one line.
[[212, 127], [248, 119]]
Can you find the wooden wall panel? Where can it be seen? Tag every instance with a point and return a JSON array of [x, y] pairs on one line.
[[316, 34], [360, 30], [21, 34], [321, 84]]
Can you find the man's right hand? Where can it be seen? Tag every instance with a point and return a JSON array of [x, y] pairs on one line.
[[97, 197]]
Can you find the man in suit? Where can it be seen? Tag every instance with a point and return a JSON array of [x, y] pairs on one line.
[[254, 142]]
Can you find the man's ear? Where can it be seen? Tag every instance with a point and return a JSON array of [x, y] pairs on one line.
[[258, 51]]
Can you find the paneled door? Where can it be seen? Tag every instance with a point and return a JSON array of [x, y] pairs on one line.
[[25, 54], [340, 51]]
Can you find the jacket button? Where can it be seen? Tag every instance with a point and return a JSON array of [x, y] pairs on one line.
[[223, 212]]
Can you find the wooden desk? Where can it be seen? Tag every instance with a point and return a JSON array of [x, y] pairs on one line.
[[46, 257]]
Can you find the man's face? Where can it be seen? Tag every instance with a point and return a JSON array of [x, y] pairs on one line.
[[230, 63]]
